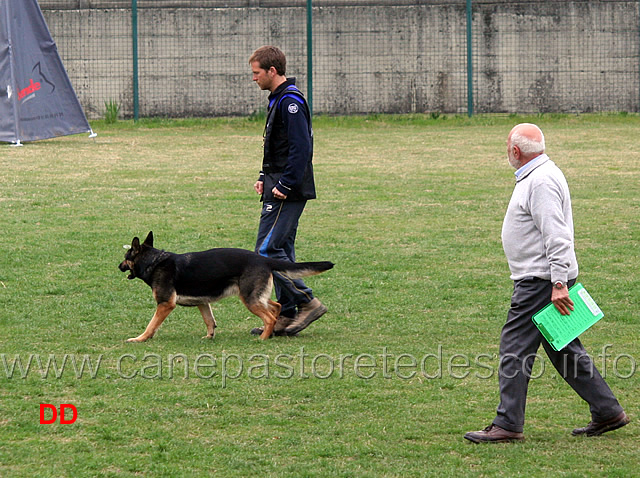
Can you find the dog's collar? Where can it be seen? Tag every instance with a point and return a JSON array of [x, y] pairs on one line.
[[161, 257]]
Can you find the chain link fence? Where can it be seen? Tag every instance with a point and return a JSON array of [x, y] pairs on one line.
[[394, 56]]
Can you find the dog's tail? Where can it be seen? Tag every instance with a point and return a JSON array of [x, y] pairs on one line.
[[297, 270]]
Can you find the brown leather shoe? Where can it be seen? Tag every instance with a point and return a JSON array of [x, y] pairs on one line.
[[493, 434], [598, 428], [278, 329], [307, 313]]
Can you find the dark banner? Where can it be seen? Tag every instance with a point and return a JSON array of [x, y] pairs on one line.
[[37, 100]]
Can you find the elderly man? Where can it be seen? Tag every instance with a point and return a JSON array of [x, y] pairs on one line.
[[537, 237]]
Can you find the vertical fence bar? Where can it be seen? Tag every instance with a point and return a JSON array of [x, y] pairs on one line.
[[310, 58], [469, 60], [134, 46]]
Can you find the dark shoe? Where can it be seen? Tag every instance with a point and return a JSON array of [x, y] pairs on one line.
[[493, 434], [598, 428], [307, 313], [278, 329]]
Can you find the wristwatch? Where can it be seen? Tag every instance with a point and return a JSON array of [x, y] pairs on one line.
[[560, 285]]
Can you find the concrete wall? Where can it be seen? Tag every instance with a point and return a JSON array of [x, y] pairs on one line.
[[368, 57], [557, 56]]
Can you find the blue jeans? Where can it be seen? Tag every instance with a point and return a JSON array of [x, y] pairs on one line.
[[276, 239]]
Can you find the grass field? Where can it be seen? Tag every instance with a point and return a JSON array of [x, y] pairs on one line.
[[385, 385]]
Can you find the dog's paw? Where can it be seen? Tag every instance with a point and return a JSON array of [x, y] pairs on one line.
[[209, 336], [135, 340]]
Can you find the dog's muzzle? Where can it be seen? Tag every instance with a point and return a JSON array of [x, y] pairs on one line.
[[124, 267]]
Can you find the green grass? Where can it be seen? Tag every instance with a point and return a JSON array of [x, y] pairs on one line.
[[410, 209], [112, 111]]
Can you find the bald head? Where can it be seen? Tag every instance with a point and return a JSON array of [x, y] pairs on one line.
[[524, 143]]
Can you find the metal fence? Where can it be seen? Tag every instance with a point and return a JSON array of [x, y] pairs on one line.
[[181, 58]]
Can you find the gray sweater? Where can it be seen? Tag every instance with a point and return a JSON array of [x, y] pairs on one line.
[[537, 233]]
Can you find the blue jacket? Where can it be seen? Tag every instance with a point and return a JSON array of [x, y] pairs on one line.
[[288, 145]]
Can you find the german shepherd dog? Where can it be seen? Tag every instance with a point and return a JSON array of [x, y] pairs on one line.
[[199, 278]]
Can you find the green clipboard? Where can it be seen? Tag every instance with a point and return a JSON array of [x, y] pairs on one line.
[[559, 330]]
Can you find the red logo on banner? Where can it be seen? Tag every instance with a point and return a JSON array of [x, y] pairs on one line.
[[32, 88], [54, 414]]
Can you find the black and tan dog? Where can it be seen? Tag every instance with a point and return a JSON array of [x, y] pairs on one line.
[[199, 278]]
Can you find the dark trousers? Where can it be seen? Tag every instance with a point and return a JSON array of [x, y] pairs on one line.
[[519, 343], [276, 239]]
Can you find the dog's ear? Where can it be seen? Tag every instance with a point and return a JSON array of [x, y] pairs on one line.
[[149, 240], [135, 244]]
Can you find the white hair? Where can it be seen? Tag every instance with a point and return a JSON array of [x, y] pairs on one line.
[[528, 145]]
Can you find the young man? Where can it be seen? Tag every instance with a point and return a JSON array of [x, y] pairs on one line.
[[285, 184], [537, 237]]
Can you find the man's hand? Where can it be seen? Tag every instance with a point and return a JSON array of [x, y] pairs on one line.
[[278, 195], [259, 187], [560, 298]]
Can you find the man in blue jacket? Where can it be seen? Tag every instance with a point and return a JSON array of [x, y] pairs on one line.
[[285, 184]]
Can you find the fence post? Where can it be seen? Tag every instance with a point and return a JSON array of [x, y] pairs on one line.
[[469, 60], [134, 45], [309, 58]]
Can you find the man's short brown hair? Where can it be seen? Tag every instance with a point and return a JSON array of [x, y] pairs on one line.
[[268, 56]]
